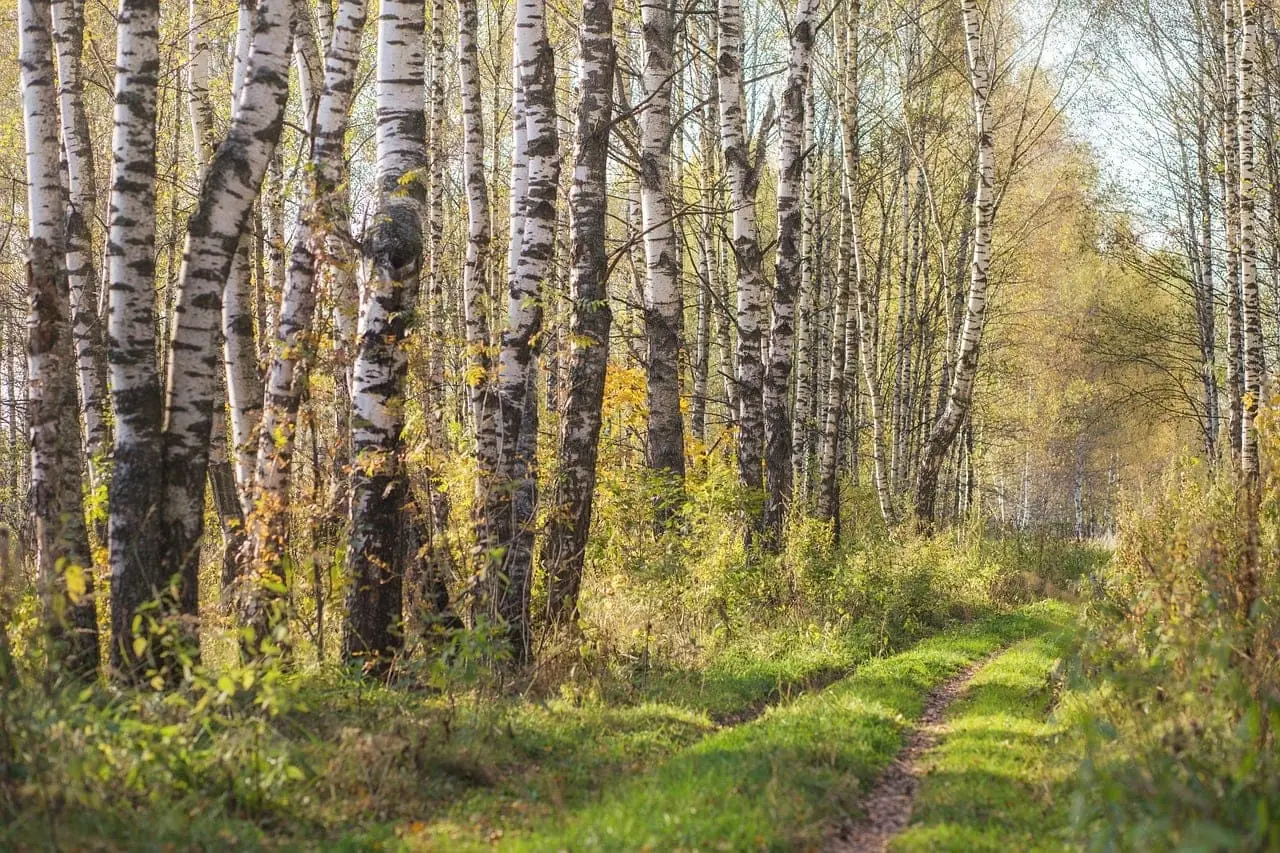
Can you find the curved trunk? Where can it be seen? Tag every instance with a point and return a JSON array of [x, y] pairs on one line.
[[214, 232], [960, 394]]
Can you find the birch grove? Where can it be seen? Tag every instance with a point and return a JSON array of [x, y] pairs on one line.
[[409, 342]]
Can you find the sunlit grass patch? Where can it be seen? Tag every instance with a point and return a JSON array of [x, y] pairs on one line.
[[997, 780], [779, 782]]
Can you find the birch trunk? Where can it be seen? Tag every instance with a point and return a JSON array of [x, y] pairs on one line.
[[239, 346], [662, 304], [960, 394], [481, 390], [574, 489], [82, 277], [801, 419], [134, 524], [791, 216], [393, 252], [743, 175], [62, 543], [294, 345], [529, 268], [1251, 312], [1229, 130], [214, 232]]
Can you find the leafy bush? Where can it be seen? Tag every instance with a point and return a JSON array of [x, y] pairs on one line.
[[1184, 628]]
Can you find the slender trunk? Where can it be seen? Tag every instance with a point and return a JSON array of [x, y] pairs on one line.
[[239, 347], [829, 455], [293, 348], [662, 303], [572, 497], [791, 216], [61, 538], [802, 423], [960, 395], [481, 393], [1251, 313], [82, 277], [1229, 130], [529, 269], [743, 174]]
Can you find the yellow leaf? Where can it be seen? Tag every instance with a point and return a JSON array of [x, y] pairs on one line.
[[139, 646], [76, 582]]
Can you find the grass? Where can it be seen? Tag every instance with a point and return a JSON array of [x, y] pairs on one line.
[[378, 764], [1000, 779], [776, 783]]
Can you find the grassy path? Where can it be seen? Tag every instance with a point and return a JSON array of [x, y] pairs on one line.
[[995, 782], [778, 781]]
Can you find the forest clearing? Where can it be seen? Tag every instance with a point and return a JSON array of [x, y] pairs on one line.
[[833, 425]]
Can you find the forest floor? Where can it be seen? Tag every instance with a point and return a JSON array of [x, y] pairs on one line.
[[777, 744]]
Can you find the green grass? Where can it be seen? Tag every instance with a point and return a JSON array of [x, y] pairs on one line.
[[1000, 779], [379, 764], [776, 782]]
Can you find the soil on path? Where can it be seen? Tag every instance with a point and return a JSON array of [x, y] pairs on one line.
[[888, 806]]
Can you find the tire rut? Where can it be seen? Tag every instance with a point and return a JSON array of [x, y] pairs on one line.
[[889, 804]]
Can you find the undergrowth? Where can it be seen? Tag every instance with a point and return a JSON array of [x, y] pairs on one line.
[[1183, 649], [685, 633]]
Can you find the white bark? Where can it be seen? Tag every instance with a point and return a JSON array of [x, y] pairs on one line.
[[662, 303], [135, 523], [743, 175], [791, 216], [960, 394], [214, 232], [61, 539], [1249, 303], [388, 296], [82, 275]]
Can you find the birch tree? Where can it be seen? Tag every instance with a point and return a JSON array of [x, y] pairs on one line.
[[239, 346], [960, 394], [134, 525], [227, 194], [393, 257], [791, 215], [533, 226], [662, 302], [1229, 129], [480, 387], [573, 492], [61, 538], [1249, 302], [294, 344], [82, 272], [743, 173]]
